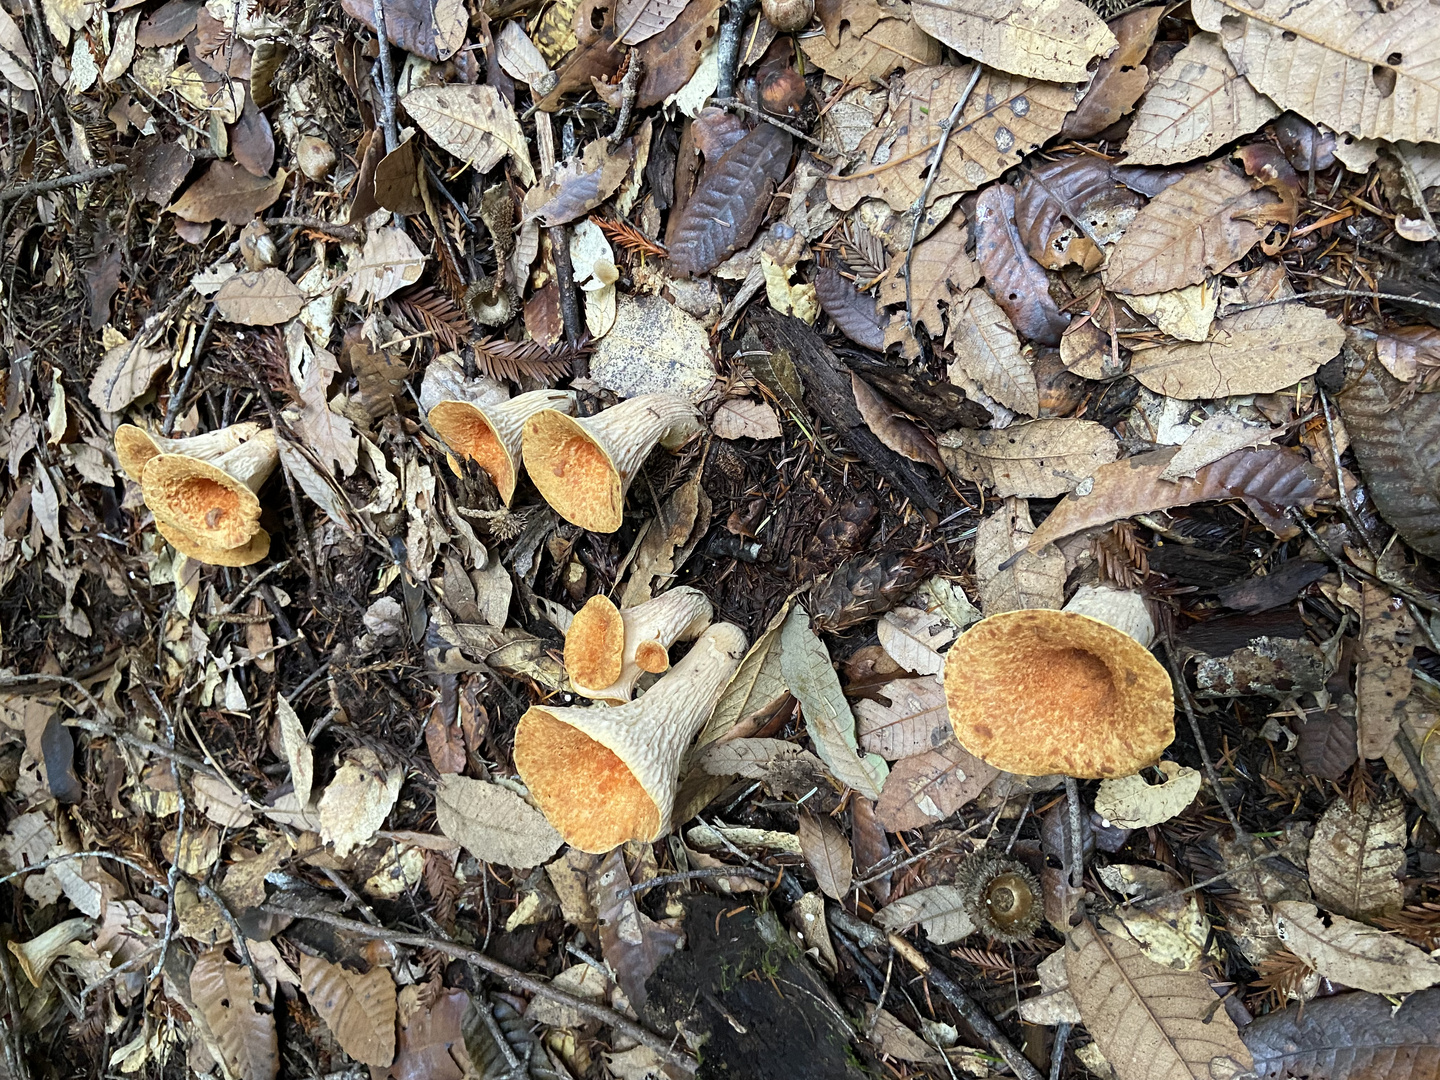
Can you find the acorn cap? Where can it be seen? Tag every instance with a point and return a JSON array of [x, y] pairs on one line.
[[605, 775], [490, 435], [1037, 692], [583, 467], [213, 503], [252, 551], [607, 650], [135, 446]]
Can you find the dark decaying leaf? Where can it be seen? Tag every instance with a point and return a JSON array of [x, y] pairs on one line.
[[862, 589], [1121, 77], [674, 54], [1270, 480], [869, 846], [1280, 586], [228, 192], [1349, 1037], [158, 168], [941, 404], [633, 943], [430, 1043], [1018, 283], [1051, 206], [731, 201], [168, 24], [1327, 746], [252, 143], [1395, 433], [577, 186], [590, 55], [892, 427], [434, 29], [851, 310]]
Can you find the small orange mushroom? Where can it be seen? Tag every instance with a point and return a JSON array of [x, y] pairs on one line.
[[1037, 692], [213, 503], [607, 649], [490, 435], [605, 775], [135, 447], [584, 466]]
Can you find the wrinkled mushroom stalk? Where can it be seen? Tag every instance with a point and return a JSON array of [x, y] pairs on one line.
[[135, 447], [607, 649], [37, 954], [583, 467], [214, 503], [605, 775], [490, 435]]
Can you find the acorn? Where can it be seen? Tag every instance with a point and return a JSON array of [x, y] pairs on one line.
[[1001, 896], [788, 16]]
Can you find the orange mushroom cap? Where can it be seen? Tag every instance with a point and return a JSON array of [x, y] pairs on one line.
[[574, 472], [468, 432], [248, 553], [1037, 692], [198, 498], [595, 643]]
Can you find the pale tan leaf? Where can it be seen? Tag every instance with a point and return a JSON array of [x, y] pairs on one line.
[[916, 720], [868, 53], [912, 637], [329, 436], [758, 683], [827, 853], [940, 909], [388, 262], [893, 1039], [1038, 460], [1036, 579], [259, 298], [1151, 1022], [1185, 313], [1006, 118], [987, 351], [1357, 857], [1352, 953], [1255, 352], [745, 418], [124, 374], [493, 823], [637, 20], [1042, 39], [654, 347], [297, 750], [521, 60], [474, 123], [784, 766], [1371, 70], [16, 63], [358, 800], [1173, 932], [939, 271], [358, 1009], [1196, 227], [1382, 670], [1197, 105], [805, 665], [930, 786], [1131, 802], [223, 993]]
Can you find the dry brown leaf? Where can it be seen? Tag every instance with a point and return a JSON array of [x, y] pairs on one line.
[[672, 56], [637, 20], [1255, 352], [259, 298], [1039, 460], [869, 55], [388, 262], [939, 271], [358, 1009], [737, 418], [1042, 39], [1368, 70], [916, 719], [1345, 951], [894, 428], [827, 853], [1270, 480], [430, 1043], [493, 823], [227, 192], [912, 636], [1018, 283], [1036, 579], [1151, 1022], [1382, 669], [434, 29], [1005, 119], [987, 352], [1219, 436], [730, 201], [1357, 856], [1121, 77], [555, 31], [940, 909], [225, 996], [474, 123], [577, 186], [358, 800], [1062, 204], [1197, 226], [634, 944], [1197, 105], [124, 374], [928, 787]]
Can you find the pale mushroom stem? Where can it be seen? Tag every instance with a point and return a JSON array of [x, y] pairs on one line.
[[1121, 608], [649, 630], [37, 954], [605, 775], [490, 435], [135, 446], [630, 430], [253, 461]]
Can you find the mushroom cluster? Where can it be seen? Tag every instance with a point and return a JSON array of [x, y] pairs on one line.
[[607, 650], [489, 435], [203, 490]]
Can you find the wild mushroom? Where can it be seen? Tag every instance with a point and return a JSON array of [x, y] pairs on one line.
[[584, 466], [607, 649], [1037, 692], [490, 435], [37, 954], [247, 554], [213, 503], [605, 775], [135, 447]]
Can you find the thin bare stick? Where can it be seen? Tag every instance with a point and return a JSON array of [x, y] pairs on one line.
[[1183, 689], [1334, 294], [387, 81], [1077, 838], [39, 187], [43, 863]]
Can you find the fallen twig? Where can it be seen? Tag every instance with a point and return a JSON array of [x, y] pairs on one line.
[[39, 187], [387, 81]]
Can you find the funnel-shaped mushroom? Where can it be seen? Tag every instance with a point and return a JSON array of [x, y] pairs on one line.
[[213, 503], [1038, 692], [37, 954], [135, 447], [490, 435], [247, 554], [583, 467], [606, 775], [607, 650]]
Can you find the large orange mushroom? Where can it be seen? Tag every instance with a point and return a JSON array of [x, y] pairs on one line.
[[490, 435], [605, 775], [213, 503], [583, 467], [136, 447], [1038, 692]]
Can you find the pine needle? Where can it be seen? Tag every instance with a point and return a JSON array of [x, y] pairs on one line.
[[629, 238]]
